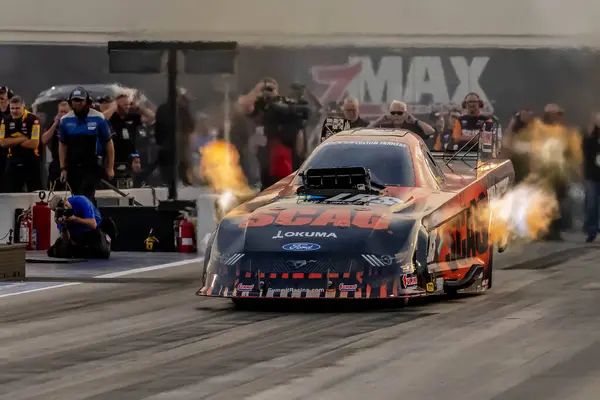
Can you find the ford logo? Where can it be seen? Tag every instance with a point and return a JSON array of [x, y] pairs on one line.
[[301, 247]]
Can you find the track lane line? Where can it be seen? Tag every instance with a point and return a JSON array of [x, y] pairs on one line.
[[112, 275]]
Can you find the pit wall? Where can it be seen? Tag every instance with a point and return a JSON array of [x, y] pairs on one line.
[[205, 206]]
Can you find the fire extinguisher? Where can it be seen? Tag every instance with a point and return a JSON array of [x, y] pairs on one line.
[[186, 235], [26, 231], [42, 223]]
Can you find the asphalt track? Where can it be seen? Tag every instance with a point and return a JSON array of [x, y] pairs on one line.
[[535, 335]]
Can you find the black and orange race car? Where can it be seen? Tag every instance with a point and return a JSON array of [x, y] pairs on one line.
[[372, 213]]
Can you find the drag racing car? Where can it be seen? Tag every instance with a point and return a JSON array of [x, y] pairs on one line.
[[372, 213]]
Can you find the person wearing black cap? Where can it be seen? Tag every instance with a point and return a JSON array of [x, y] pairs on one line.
[[84, 136]]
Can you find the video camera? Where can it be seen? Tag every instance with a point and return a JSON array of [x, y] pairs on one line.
[[62, 212], [283, 110]]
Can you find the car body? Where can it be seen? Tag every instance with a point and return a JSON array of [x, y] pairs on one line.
[[372, 213]]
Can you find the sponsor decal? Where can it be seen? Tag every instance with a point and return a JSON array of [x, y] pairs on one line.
[[301, 247], [430, 288], [338, 217], [287, 290], [283, 235], [244, 288], [297, 264], [466, 236], [354, 199], [375, 83], [348, 288], [409, 281], [368, 142]]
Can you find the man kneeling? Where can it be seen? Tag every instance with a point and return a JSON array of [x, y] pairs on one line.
[[79, 223]]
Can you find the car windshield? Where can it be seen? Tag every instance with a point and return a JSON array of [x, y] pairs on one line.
[[390, 163]]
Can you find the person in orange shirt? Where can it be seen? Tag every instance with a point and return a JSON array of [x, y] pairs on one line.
[[467, 125]]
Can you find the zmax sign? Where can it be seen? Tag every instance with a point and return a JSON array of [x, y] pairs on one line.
[[425, 76]]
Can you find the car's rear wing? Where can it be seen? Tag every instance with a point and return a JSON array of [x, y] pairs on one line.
[[483, 147]]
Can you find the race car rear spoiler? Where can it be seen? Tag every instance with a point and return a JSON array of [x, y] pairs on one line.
[[483, 147]]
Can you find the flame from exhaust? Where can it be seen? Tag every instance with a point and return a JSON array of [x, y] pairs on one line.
[[527, 210], [220, 168]]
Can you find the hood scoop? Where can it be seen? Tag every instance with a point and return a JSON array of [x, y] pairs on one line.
[[327, 183]]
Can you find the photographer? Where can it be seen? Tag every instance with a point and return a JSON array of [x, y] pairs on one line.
[[284, 120], [81, 235]]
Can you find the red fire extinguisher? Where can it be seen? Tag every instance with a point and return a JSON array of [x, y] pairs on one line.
[[42, 223], [26, 231], [186, 235]]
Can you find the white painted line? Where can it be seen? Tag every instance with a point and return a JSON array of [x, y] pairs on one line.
[[150, 268], [114, 275], [40, 289]]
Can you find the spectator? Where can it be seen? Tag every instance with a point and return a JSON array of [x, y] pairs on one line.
[[468, 125], [166, 139], [50, 137], [518, 124], [126, 124], [556, 156], [400, 118], [84, 135], [106, 105], [282, 130], [591, 174], [5, 95], [20, 134], [351, 109], [81, 227]]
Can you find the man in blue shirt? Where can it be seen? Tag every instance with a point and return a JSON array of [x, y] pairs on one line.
[[84, 137], [81, 236]]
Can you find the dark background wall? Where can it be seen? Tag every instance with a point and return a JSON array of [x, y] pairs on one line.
[[511, 78]]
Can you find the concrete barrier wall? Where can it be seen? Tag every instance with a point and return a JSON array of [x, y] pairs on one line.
[[9, 202], [417, 22]]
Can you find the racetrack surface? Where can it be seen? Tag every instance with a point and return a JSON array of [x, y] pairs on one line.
[[147, 336]]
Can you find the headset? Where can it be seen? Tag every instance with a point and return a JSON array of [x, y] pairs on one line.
[[464, 103], [8, 91], [88, 98]]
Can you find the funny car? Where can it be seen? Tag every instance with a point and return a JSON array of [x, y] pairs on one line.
[[372, 213]]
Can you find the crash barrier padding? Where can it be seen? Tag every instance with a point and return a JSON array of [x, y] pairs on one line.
[[9, 202], [12, 262]]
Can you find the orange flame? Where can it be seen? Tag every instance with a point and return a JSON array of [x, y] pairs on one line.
[[220, 168], [527, 210]]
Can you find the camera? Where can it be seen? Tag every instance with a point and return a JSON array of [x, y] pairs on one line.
[[61, 213], [283, 110]]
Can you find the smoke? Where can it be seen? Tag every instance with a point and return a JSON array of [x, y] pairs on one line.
[[527, 210]]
